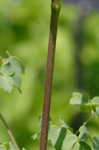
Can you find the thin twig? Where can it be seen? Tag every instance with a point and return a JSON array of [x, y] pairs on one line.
[[10, 133], [55, 9]]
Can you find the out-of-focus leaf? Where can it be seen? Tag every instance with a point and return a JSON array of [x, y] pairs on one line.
[[53, 134], [78, 99], [4, 146], [11, 71], [97, 111], [82, 130], [95, 101], [35, 136], [12, 146], [7, 146], [69, 141], [96, 143], [6, 82], [84, 146], [76, 146], [85, 137]]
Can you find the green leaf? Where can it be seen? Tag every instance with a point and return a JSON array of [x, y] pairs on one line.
[[60, 139], [95, 101], [12, 146], [70, 141], [95, 105], [6, 82], [76, 146], [78, 99], [7, 146], [53, 134], [85, 137], [4, 146], [84, 146], [82, 130], [35, 136], [96, 143], [97, 111], [56, 135], [11, 71]]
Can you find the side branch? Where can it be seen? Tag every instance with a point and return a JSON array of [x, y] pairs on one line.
[[55, 10], [9, 132]]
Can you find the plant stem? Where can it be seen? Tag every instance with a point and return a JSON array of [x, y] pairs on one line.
[[10, 133], [55, 10]]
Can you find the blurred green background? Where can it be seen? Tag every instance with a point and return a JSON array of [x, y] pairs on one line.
[[24, 29]]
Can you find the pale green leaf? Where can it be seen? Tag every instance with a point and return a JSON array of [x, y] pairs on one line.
[[69, 141], [95, 101], [35, 136], [6, 82], [78, 99], [97, 111], [55, 134], [85, 137], [11, 71], [4, 146], [82, 130], [12, 146]]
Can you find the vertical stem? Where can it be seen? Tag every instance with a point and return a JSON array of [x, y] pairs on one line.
[[55, 9]]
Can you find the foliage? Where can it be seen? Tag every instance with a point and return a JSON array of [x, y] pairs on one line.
[[61, 137], [11, 71], [24, 31], [8, 146]]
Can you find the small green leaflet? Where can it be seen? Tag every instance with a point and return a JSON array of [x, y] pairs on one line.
[[11, 71], [78, 99]]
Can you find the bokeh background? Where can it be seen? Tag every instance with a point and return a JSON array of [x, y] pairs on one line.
[[24, 29]]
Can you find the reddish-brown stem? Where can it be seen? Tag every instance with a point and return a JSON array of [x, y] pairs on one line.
[[55, 9]]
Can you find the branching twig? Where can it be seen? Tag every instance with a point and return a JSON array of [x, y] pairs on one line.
[[55, 9], [10, 133]]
